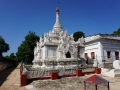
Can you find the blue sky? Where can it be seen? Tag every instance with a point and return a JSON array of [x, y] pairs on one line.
[[17, 17]]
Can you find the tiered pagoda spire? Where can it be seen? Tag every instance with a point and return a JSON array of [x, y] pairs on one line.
[[57, 26]]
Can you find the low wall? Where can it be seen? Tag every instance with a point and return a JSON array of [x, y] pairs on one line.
[[4, 64], [54, 75]]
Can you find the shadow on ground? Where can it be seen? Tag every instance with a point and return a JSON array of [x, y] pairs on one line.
[[4, 74]]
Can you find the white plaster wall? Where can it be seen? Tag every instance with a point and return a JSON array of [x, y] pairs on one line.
[[82, 51], [51, 52], [100, 48], [112, 46], [100, 54], [44, 52], [93, 47]]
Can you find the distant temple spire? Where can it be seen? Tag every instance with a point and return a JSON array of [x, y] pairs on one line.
[[57, 26]]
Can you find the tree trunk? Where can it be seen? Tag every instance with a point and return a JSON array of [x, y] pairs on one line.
[[0, 56]]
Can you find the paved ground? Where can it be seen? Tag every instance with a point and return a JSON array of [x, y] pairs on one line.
[[10, 79]]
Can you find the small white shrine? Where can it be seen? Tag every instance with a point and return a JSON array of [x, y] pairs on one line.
[[56, 46]]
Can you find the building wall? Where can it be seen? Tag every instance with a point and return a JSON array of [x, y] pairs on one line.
[[93, 47], [100, 48], [44, 50], [112, 46], [82, 51], [51, 52]]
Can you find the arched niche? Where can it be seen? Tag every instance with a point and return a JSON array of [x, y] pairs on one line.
[[68, 55]]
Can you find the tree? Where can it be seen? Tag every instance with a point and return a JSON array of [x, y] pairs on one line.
[[117, 32], [4, 47], [11, 57], [26, 49], [78, 35]]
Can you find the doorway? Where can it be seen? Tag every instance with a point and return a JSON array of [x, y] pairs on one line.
[[68, 55]]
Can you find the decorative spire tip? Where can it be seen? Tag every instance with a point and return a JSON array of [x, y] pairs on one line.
[[57, 9]]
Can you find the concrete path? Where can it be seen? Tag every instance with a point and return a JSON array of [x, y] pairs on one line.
[[10, 79]]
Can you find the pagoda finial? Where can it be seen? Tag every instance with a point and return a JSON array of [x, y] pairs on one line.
[[57, 9], [57, 26]]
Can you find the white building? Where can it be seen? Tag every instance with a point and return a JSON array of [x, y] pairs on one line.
[[102, 47], [57, 46]]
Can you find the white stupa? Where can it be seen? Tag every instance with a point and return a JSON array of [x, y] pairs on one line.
[[56, 46]]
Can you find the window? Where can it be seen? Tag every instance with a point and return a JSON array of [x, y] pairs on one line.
[[86, 55], [108, 54], [117, 55], [92, 55]]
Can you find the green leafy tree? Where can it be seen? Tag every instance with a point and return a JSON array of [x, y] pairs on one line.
[[4, 47], [117, 32], [11, 57], [26, 49], [78, 35]]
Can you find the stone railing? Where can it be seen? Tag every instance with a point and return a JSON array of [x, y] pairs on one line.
[[55, 74], [46, 73], [66, 72], [37, 74], [88, 70]]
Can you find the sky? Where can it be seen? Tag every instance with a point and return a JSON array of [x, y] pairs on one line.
[[18, 17]]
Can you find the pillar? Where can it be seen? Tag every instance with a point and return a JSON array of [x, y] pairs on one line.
[[23, 79], [54, 75], [20, 70], [98, 70], [78, 73]]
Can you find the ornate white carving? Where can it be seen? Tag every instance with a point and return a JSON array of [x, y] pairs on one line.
[[46, 37], [41, 41], [66, 43], [61, 33], [81, 40], [71, 37]]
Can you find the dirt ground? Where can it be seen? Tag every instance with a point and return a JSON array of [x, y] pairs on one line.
[[73, 83], [10, 80], [113, 82]]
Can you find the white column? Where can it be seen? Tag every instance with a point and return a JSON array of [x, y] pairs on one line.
[[101, 50]]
